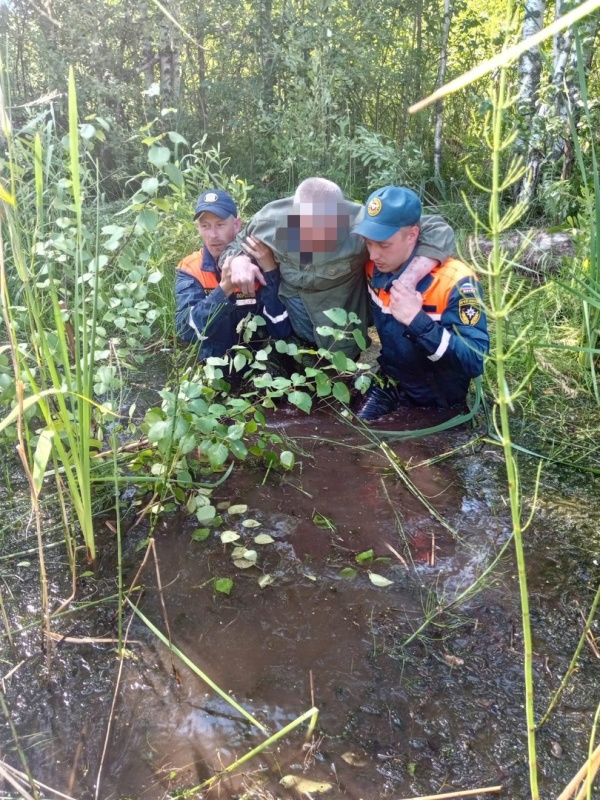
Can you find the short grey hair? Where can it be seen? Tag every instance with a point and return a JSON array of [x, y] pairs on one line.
[[318, 191]]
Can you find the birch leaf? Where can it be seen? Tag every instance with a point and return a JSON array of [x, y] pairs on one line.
[[242, 563], [379, 580], [239, 509], [304, 786], [229, 536], [263, 538], [354, 759], [251, 523]]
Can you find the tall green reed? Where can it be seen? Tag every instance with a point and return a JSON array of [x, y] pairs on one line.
[[52, 344]]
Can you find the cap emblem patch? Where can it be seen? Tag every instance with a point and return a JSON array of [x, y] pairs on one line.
[[374, 207], [211, 197]]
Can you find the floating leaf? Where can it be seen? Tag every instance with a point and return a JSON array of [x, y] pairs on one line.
[[263, 538], [223, 585], [265, 580], [238, 551], [240, 509], [304, 786], [287, 459], [250, 555], [243, 563], [379, 580], [354, 759], [229, 536], [251, 523], [365, 556], [200, 534], [222, 506], [348, 573]]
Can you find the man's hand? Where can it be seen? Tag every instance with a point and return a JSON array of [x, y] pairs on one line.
[[405, 303], [226, 283], [416, 270], [259, 251], [244, 274]]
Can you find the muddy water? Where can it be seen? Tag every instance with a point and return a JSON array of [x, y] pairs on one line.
[[444, 713]]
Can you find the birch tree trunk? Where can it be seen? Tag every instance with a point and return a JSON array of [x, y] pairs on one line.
[[441, 77], [530, 70]]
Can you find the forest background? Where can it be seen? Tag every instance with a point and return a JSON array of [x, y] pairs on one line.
[[291, 89]]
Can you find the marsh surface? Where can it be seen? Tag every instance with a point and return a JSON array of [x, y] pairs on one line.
[[444, 712]]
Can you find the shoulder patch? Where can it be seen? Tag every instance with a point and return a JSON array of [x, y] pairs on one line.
[[469, 311]]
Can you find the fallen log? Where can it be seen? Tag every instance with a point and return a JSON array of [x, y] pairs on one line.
[[534, 251]]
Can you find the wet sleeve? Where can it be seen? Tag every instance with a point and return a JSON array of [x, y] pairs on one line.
[[461, 337], [197, 313], [271, 307], [436, 239]]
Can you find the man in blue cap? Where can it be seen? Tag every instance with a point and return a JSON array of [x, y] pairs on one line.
[[209, 306], [434, 337]]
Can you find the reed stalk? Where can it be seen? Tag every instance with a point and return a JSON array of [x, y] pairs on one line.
[[500, 301]]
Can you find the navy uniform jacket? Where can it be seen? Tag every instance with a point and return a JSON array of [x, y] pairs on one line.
[[205, 313], [434, 358]]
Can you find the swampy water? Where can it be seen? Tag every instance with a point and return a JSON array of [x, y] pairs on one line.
[[442, 713]]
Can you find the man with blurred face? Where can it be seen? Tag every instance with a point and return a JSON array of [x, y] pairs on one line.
[[433, 336], [209, 304], [321, 265]]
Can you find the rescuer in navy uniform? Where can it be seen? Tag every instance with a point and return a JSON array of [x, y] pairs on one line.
[[209, 305], [433, 338]]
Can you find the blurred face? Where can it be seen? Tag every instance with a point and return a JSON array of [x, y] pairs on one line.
[[390, 254], [216, 232], [319, 233]]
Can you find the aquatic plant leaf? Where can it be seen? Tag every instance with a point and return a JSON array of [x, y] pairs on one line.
[[287, 459], [223, 505], [341, 393], [239, 509], [304, 786], [379, 580], [251, 523], [302, 400], [200, 534], [229, 536], [206, 513], [338, 316], [265, 580], [250, 555], [354, 759], [365, 557], [242, 563], [238, 551], [223, 585], [263, 538], [348, 573]]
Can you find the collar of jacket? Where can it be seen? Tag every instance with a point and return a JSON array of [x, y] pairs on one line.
[[209, 264]]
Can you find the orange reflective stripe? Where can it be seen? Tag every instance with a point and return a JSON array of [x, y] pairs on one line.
[[445, 278], [192, 265]]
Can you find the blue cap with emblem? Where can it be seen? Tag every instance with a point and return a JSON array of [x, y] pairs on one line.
[[217, 202], [388, 210]]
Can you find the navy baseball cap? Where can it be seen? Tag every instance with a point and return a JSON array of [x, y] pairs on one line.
[[217, 202], [388, 210]]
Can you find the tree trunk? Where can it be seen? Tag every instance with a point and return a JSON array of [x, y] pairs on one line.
[[441, 77], [530, 70]]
